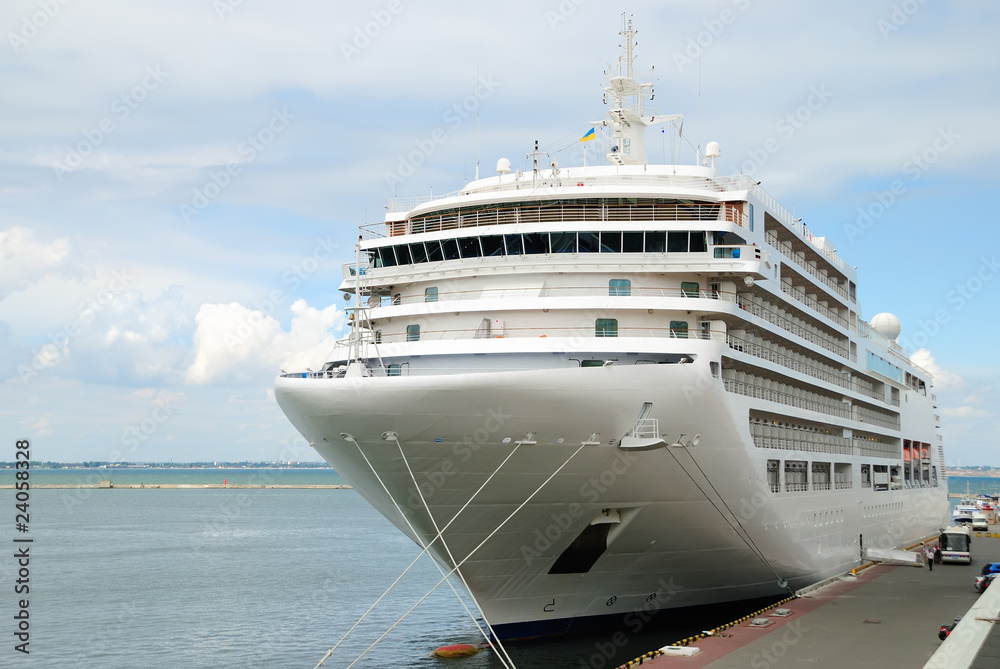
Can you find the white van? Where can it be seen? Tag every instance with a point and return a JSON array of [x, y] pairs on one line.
[[956, 545], [979, 522]]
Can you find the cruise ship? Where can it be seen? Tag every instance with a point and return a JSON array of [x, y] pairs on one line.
[[600, 390]]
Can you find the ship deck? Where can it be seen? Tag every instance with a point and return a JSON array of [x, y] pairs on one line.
[[886, 616]]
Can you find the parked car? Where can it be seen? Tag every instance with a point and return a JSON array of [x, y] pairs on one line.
[[983, 581], [947, 629]]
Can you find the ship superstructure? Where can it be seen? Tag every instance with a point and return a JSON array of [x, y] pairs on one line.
[[602, 389]]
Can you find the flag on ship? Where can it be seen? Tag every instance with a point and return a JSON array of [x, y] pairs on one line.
[[589, 136]]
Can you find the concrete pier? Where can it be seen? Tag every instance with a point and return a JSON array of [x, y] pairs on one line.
[[885, 616]]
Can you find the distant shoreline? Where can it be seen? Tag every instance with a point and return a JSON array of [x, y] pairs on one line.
[[973, 475], [107, 485]]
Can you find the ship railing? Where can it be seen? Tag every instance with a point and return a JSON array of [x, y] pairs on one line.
[[607, 332], [796, 487], [875, 417], [827, 280], [798, 398], [559, 213], [774, 353], [799, 293], [780, 319], [718, 184], [794, 224], [833, 445], [875, 448], [866, 331], [646, 428], [549, 291]]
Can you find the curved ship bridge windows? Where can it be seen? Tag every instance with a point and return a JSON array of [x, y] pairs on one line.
[[541, 243]]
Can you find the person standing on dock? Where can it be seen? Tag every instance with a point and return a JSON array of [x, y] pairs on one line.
[[929, 556]]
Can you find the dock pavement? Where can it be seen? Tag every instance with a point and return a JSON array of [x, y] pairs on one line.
[[885, 616]]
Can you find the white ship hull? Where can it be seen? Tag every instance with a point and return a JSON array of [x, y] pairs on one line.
[[697, 525]]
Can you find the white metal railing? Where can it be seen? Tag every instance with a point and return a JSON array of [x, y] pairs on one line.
[[806, 401], [570, 177], [841, 445], [874, 417], [781, 356], [555, 212], [825, 279], [794, 224], [814, 335], [551, 291], [545, 332], [813, 304], [646, 428]]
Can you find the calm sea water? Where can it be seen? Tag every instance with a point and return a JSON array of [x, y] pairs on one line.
[[243, 578]]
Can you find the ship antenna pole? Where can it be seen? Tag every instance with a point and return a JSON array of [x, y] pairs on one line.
[[478, 146], [697, 152]]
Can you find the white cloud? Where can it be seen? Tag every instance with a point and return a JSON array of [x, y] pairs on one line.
[[943, 379], [965, 412], [23, 259], [235, 344]]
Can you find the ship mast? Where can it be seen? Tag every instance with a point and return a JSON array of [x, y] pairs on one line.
[[626, 115]]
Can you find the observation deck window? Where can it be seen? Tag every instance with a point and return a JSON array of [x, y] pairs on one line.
[[589, 242], [656, 241], [611, 242], [679, 329], [450, 248], [386, 257], [536, 242], [492, 245], [403, 255], [632, 242], [515, 246], [412, 333], [541, 243], [431, 294], [563, 242], [470, 247], [418, 252], [434, 252]]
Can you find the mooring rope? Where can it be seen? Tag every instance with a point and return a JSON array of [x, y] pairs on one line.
[[471, 553], [489, 637], [425, 548]]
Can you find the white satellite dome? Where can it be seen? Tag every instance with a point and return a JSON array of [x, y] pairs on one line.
[[886, 325]]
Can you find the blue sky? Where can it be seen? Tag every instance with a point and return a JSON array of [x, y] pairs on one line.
[[182, 181]]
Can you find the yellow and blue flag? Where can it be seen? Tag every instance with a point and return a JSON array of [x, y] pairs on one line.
[[589, 136]]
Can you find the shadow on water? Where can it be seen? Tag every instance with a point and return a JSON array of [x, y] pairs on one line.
[[630, 636]]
